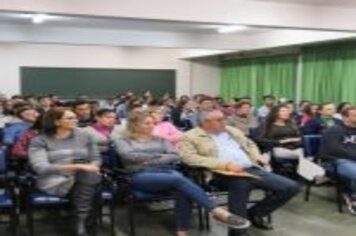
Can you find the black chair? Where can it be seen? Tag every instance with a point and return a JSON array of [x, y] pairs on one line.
[[132, 197], [284, 166], [109, 190], [36, 200], [311, 149], [8, 198], [335, 182], [198, 174], [108, 196]]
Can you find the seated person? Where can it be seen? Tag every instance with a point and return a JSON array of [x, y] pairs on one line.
[[281, 134], [150, 159], [338, 147], [7, 115], [218, 147], [323, 120], [28, 116], [189, 114], [164, 129], [102, 132], [84, 113], [243, 119], [263, 111], [19, 150], [207, 103], [340, 108], [45, 103], [103, 128], [177, 111], [67, 163], [308, 113]]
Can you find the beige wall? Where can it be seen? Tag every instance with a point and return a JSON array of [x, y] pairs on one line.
[[206, 77]]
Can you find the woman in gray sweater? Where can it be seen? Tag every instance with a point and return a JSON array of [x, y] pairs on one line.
[[150, 159], [67, 163]]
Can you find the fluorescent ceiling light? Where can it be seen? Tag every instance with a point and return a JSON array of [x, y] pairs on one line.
[[39, 18], [232, 29]]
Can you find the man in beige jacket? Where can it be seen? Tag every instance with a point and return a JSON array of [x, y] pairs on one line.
[[224, 149]]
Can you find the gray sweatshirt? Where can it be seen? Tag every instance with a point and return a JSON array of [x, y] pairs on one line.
[[47, 154], [137, 155]]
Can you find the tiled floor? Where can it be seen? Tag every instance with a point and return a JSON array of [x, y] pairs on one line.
[[318, 217]]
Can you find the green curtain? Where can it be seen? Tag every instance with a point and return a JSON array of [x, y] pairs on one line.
[[329, 73], [259, 76]]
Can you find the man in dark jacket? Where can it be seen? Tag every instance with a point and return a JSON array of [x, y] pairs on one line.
[[338, 147]]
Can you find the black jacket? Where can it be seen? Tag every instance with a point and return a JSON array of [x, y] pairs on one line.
[[339, 141]]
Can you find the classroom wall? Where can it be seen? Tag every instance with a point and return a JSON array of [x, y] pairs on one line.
[[14, 55], [208, 72]]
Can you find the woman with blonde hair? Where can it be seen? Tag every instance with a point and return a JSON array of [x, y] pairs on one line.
[[151, 160]]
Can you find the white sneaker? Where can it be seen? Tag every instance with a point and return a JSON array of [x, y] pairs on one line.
[[351, 204]]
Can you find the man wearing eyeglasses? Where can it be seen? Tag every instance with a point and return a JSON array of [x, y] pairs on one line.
[[227, 151]]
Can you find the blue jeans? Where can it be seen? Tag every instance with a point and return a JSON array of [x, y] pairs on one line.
[[280, 190], [158, 180], [346, 169]]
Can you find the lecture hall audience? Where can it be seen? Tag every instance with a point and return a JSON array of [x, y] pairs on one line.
[[68, 144]]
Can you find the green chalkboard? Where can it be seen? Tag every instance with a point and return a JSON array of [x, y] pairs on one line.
[[96, 83]]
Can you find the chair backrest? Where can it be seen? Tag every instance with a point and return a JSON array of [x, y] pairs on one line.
[[3, 160]]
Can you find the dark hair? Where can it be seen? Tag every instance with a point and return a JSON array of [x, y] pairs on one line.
[[77, 103], [308, 110], [37, 125], [272, 117], [21, 109], [268, 96], [104, 111], [156, 102], [29, 97], [242, 103], [301, 102], [346, 112], [17, 97], [134, 103], [42, 97], [92, 102], [181, 104], [49, 120], [341, 106]]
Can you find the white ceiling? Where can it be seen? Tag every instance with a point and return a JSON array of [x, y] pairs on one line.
[[272, 23], [338, 3], [24, 19]]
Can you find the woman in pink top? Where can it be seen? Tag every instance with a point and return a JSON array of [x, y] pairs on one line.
[[164, 129]]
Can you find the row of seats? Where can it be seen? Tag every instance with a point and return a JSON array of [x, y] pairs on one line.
[[19, 195]]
